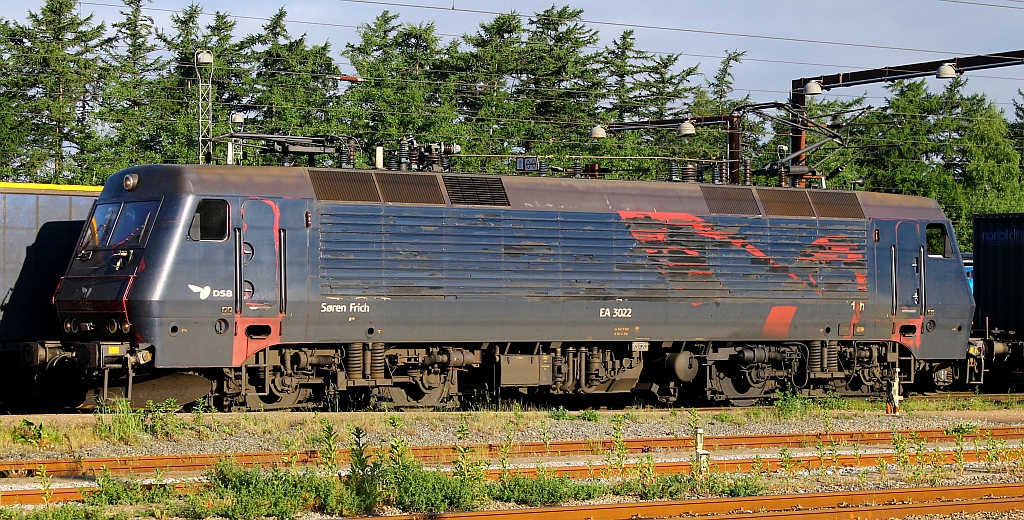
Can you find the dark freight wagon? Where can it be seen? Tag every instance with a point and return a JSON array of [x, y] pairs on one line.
[[40, 226], [999, 291], [271, 287]]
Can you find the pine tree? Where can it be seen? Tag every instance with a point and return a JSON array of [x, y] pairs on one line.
[[176, 103], [561, 81], [129, 106], [405, 89], [493, 120], [950, 146], [57, 73], [295, 84]]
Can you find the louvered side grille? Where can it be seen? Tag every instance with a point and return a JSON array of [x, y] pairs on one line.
[[785, 202], [730, 201], [410, 188], [476, 191], [344, 186], [831, 204]]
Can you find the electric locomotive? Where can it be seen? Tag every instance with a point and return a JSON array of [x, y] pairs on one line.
[[277, 287]]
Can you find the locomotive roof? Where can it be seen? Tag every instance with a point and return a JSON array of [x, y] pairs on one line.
[[515, 192]]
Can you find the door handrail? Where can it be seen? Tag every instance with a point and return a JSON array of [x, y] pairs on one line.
[[238, 270], [895, 292], [921, 274], [283, 278]]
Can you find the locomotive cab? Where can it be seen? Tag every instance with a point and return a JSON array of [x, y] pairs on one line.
[[174, 271]]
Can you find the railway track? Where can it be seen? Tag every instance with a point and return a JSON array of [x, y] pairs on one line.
[[434, 454], [847, 504], [871, 504]]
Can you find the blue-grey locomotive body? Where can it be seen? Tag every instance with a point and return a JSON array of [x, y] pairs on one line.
[[273, 287]]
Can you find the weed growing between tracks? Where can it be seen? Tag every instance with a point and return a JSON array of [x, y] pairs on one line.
[[390, 478]]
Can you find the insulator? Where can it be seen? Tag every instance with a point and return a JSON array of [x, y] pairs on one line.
[[716, 175], [814, 356], [578, 167], [723, 173], [343, 157], [446, 165], [542, 167], [673, 172], [833, 356], [747, 173], [392, 162], [354, 361], [351, 146], [403, 155], [688, 172], [782, 178], [377, 361]]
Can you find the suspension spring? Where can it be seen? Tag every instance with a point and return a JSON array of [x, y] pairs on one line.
[[354, 361], [814, 360], [833, 356], [377, 361]]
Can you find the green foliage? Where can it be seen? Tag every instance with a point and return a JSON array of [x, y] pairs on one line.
[[559, 414], [544, 489], [65, 511], [961, 429], [949, 146], [327, 445], [28, 432], [111, 491], [790, 404], [118, 422], [590, 416]]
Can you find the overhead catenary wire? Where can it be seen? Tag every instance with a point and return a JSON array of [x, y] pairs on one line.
[[745, 58]]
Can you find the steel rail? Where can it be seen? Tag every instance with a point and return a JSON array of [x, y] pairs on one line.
[[433, 454], [843, 504], [62, 494], [794, 464]]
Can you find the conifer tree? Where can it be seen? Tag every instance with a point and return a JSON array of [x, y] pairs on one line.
[[56, 79], [295, 84], [128, 110]]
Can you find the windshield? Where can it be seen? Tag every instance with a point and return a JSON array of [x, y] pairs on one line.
[[120, 226], [97, 229], [133, 223]]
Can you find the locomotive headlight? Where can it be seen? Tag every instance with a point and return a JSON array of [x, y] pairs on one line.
[[112, 326], [130, 181], [70, 325], [125, 326]]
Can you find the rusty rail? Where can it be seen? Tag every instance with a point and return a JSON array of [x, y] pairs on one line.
[[845, 504], [64, 494], [432, 454]]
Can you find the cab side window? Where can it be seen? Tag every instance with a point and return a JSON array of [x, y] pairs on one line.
[[939, 244], [210, 222]]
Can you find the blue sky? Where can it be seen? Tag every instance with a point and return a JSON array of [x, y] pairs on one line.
[[913, 31]]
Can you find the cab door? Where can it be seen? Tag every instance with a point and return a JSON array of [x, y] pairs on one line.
[[259, 272], [907, 258]]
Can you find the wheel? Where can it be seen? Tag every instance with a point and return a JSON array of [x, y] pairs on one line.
[[740, 391], [398, 397]]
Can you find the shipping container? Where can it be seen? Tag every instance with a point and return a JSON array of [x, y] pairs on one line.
[[998, 274]]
